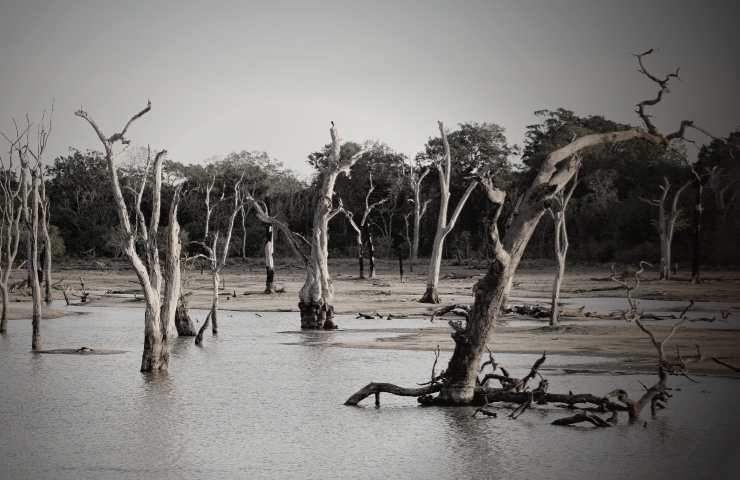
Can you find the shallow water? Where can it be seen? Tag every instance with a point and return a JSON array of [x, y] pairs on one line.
[[257, 403]]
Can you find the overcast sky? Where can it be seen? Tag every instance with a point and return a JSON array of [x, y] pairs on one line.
[[226, 76]]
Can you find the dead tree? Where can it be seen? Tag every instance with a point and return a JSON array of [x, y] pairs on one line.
[[31, 160], [557, 210], [362, 231], [174, 309], [444, 224], [666, 223], [216, 259], [557, 169], [420, 208], [45, 222], [517, 391], [11, 211], [147, 266], [316, 296], [269, 258], [698, 220]]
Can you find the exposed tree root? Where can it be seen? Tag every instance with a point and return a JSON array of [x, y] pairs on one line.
[[515, 391]]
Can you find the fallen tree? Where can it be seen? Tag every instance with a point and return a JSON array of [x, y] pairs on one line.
[[516, 393]]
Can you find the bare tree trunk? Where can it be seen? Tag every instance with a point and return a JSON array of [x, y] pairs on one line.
[[155, 355], [183, 323], [666, 224], [4, 313], [13, 208], [218, 261], [148, 271], [419, 211], [556, 284], [363, 235], [33, 263], [698, 214], [269, 259], [370, 250], [216, 278], [173, 273], [361, 254], [244, 233], [444, 226], [558, 211], [45, 221], [316, 295]]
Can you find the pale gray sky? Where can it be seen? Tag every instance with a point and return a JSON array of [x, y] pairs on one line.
[[233, 75]]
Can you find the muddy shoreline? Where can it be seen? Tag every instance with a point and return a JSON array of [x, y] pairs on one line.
[[626, 347]]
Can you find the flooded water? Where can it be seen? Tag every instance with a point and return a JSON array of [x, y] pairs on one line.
[[264, 401]]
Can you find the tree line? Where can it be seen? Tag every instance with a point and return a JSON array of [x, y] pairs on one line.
[[609, 219]]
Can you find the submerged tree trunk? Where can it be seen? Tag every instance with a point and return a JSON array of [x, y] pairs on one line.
[[4, 313], [148, 271], [216, 278], [316, 295], [33, 263], [155, 355], [183, 323]]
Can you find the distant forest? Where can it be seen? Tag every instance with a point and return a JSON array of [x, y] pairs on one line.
[[612, 216]]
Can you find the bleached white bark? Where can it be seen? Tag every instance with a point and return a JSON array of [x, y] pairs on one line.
[[557, 211], [147, 268], [444, 224], [316, 296]]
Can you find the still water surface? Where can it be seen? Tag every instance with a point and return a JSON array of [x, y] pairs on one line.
[[263, 401]]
